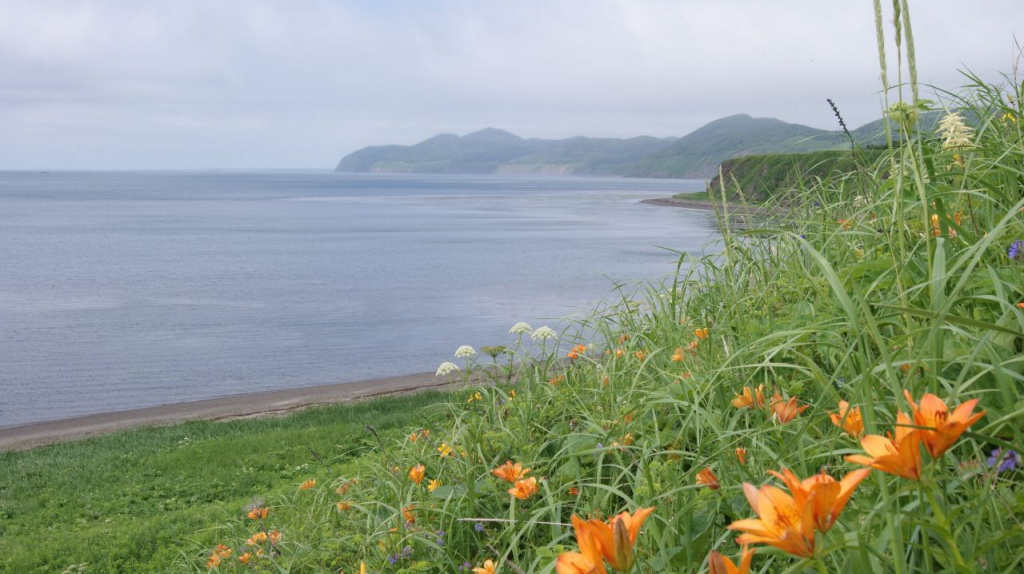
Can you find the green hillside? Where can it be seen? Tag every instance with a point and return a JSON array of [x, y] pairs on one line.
[[761, 177]]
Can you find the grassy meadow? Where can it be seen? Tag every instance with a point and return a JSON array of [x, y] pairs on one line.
[[839, 389]]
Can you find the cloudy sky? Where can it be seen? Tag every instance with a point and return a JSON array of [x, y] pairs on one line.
[[136, 84]]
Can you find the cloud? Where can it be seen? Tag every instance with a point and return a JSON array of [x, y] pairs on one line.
[[258, 83]]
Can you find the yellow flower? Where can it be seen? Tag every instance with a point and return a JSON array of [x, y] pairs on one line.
[[487, 568], [417, 472], [444, 449], [524, 488], [433, 485]]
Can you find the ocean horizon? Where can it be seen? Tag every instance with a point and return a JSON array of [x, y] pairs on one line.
[[130, 289]]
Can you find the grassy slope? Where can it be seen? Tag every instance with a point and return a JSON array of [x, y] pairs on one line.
[[133, 501], [760, 177]]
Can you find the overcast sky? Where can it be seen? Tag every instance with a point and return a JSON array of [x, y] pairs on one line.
[[272, 84]]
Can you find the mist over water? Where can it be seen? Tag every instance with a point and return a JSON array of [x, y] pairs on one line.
[[131, 289]]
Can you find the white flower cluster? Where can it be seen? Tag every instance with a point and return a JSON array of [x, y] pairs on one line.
[[543, 333], [446, 368], [465, 352], [955, 133], [520, 328]]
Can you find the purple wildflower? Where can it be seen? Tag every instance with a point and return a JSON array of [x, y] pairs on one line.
[[479, 526], [1007, 461], [1016, 251]]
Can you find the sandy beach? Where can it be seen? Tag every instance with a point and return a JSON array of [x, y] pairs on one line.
[[227, 408]]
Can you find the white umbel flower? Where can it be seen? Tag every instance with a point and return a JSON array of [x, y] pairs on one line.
[[446, 368], [955, 133], [543, 333], [520, 328], [465, 352]]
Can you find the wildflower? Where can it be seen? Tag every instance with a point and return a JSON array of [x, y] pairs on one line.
[[308, 484], [543, 334], [555, 381], [346, 485], [520, 328], [617, 537], [619, 352], [1020, 305], [1016, 250], [577, 352], [415, 436], [245, 558], [344, 506], [446, 369], [719, 564], [444, 449], [479, 526], [408, 514], [1007, 462], [524, 488], [494, 352], [693, 345], [477, 396], [955, 133], [274, 536], [701, 333], [256, 539], [707, 478], [510, 472], [433, 485], [623, 338], [573, 491], [214, 561], [749, 399], [942, 429], [678, 355], [641, 355], [900, 455], [785, 411], [741, 454], [589, 560], [1009, 117], [827, 497], [781, 522], [465, 352], [258, 513], [416, 473], [487, 568], [848, 419], [511, 394]]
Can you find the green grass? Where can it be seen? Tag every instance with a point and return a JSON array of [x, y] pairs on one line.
[[693, 196], [134, 500]]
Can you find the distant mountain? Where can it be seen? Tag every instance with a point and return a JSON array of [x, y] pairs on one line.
[[497, 151], [697, 155]]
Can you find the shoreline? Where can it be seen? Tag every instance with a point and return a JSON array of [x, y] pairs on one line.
[[710, 206], [266, 403]]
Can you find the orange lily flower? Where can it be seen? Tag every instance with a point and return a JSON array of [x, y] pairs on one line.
[[617, 537], [785, 411], [900, 455], [707, 478], [408, 513], [589, 559], [741, 454], [417, 472], [848, 419], [749, 398], [942, 428], [258, 513], [510, 472], [308, 484], [781, 522], [719, 564], [823, 493], [524, 488], [701, 333], [678, 355]]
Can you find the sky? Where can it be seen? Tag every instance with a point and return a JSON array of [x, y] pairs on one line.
[[203, 84]]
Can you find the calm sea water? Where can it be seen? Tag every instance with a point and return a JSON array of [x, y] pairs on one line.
[[124, 290]]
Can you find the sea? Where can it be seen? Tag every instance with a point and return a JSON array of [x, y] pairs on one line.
[[121, 290]]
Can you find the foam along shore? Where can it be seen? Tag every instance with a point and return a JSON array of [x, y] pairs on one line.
[[239, 406]]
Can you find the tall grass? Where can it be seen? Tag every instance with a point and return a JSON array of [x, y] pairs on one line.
[[893, 279]]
